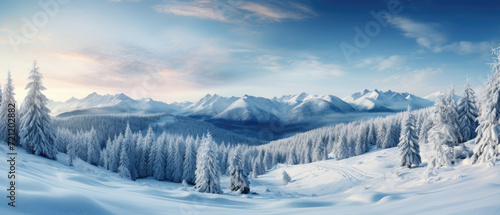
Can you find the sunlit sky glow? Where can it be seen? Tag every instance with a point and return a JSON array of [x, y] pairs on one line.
[[237, 47]]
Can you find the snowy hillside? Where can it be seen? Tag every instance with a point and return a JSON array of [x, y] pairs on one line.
[[370, 183], [208, 106], [380, 101]]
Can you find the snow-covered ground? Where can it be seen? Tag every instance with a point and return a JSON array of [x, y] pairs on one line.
[[367, 184]]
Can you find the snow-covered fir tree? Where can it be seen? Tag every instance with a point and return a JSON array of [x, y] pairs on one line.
[[285, 178], [160, 158], [341, 149], [127, 157], [115, 153], [190, 161], [6, 99], [94, 148], [147, 143], [468, 113], [487, 140], [238, 179], [37, 134], [291, 158], [453, 117], [391, 137], [268, 163], [362, 140], [444, 135], [207, 167], [71, 151], [170, 153], [409, 149], [178, 161], [319, 151], [106, 155]]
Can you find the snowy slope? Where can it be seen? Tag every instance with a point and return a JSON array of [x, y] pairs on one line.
[[210, 105], [366, 184], [385, 101], [252, 109]]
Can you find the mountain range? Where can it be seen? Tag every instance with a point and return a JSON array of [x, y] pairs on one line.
[[250, 115], [288, 108]]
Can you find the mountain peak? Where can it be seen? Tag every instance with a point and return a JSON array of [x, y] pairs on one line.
[[122, 96]]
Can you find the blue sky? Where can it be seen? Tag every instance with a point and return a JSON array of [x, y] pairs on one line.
[[181, 50]]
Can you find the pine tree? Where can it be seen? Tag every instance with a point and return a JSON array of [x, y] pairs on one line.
[[71, 151], [443, 135], [341, 149], [37, 134], [291, 158], [147, 143], [487, 140], [238, 179], [468, 112], [409, 150], [391, 137], [453, 117], [94, 149], [127, 157], [286, 178], [361, 146], [267, 160], [107, 153], [190, 161], [6, 99], [207, 167], [427, 125], [170, 153], [160, 159], [178, 162], [115, 153]]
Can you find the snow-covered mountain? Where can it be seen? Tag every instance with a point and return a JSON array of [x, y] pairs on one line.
[[106, 104], [209, 106], [288, 108], [380, 101]]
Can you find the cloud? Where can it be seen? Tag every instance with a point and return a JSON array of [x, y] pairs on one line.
[[425, 34], [237, 11], [419, 80], [263, 11], [428, 36], [308, 65], [198, 8], [394, 62], [466, 47]]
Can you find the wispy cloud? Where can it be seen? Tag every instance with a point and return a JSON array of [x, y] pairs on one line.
[[418, 80], [237, 11], [204, 9], [308, 65], [394, 62], [429, 36], [415, 76]]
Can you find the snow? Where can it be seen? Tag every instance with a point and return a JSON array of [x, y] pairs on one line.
[[368, 184], [433, 96], [377, 100], [104, 104]]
